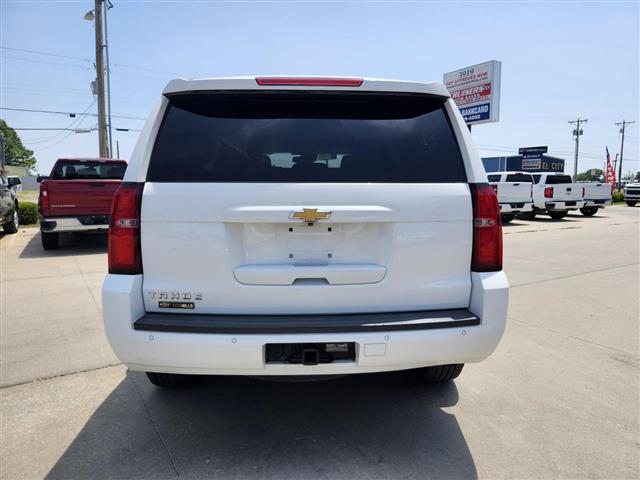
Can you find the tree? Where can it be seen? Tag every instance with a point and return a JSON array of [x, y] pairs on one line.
[[593, 175], [638, 176], [14, 152]]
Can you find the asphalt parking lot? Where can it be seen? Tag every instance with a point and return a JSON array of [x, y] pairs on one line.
[[558, 399]]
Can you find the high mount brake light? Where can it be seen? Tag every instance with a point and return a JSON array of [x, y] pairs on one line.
[[309, 82], [125, 257], [548, 192], [487, 229]]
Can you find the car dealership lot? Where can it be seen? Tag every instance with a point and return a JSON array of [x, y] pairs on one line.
[[559, 398]]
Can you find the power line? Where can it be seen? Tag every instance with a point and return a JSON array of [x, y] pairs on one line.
[[74, 124], [38, 52], [126, 117], [122, 65]]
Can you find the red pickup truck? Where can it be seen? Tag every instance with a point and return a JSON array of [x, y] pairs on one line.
[[77, 196]]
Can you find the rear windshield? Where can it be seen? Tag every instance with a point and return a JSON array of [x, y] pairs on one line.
[[88, 170], [493, 178], [555, 179], [519, 177], [305, 137]]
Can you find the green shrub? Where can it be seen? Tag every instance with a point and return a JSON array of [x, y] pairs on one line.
[[27, 213], [618, 197]]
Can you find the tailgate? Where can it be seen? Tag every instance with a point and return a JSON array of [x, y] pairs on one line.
[[514, 192], [597, 191], [305, 203], [80, 197], [567, 192]]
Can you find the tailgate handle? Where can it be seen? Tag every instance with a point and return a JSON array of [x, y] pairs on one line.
[[288, 274], [516, 184], [97, 184]]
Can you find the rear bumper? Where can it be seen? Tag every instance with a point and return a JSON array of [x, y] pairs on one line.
[[597, 203], [632, 196], [150, 342], [516, 207], [83, 223]]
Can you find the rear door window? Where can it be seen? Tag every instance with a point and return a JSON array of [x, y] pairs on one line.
[[557, 179], [88, 170], [536, 178], [306, 137], [493, 178], [519, 177]]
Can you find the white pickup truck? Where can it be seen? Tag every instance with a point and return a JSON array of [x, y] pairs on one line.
[[514, 193], [596, 196], [304, 226], [555, 194], [632, 194]]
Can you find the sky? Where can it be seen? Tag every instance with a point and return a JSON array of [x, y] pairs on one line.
[[560, 60]]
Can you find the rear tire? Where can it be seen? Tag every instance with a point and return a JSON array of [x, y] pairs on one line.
[[12, 225], [589, 211], [558, 215], [50, 241], [168, 380], [631, 203], [441, 373], [528, 215], [507, 217]]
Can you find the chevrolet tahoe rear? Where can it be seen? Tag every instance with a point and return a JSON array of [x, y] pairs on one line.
[[77, 196], [304, 226]]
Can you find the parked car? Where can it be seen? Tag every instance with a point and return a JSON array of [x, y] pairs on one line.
[[632, 194], [77, 196], [514, 193], [304, 226], [555, 194], [9, 204], [596, 196]]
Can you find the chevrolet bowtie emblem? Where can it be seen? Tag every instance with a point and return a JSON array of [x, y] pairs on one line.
[[309, 215]]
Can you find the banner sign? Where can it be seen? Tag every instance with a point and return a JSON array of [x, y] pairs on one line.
[[476, 91]]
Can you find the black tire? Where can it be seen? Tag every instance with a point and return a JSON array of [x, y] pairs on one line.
[[558, 215], [631, 203], [168, 380], [528, 215], [589, 211], [441, 373], [50, 241], [507, 217], [12, 225]]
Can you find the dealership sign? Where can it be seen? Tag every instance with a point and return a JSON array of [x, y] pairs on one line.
[[532, 157], [476, 91]]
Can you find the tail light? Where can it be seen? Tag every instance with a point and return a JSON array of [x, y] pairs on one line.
[[125, 256], [487, 229], [43, 203], [495, 188], [548, 192]]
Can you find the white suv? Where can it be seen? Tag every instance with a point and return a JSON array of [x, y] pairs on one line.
[[304, 226]]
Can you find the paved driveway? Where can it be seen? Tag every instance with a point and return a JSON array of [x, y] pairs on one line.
[[559, 398]]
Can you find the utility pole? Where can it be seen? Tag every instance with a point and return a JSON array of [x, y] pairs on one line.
[[102, 123], [624, 123], [576, 133], [107, 6]]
